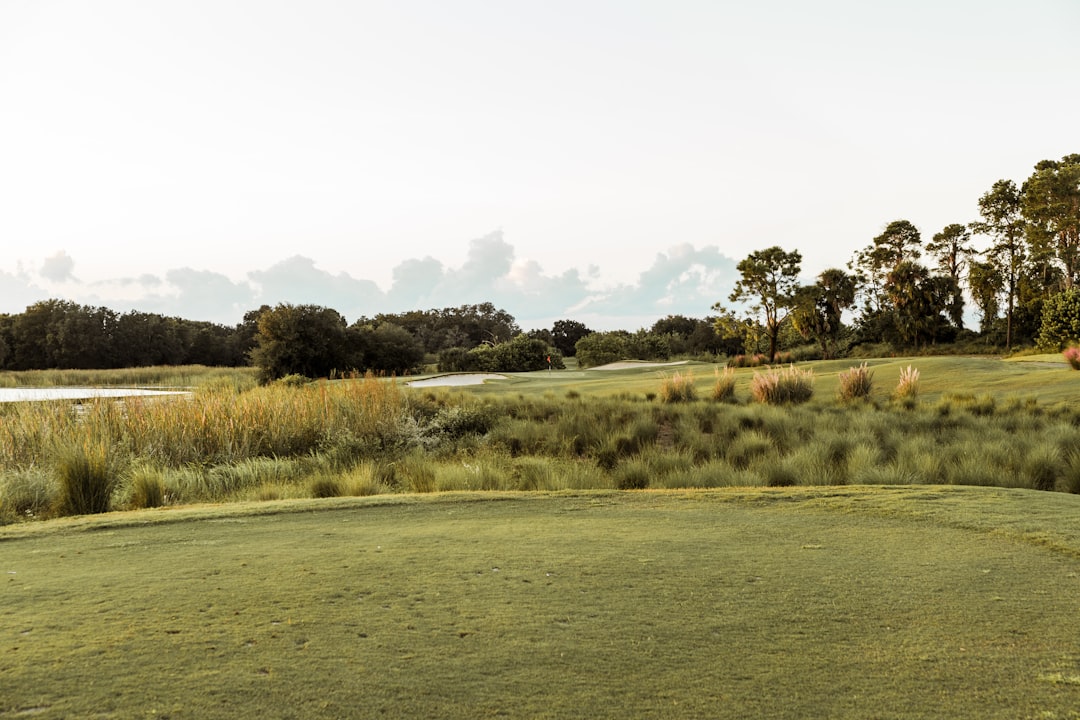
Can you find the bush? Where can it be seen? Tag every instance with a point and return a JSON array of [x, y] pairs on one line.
[[856, 383], [724, 387], [779, 387], [1072, 356], [87, 478]]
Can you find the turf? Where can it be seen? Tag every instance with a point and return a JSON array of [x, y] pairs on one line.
[[894, 602]]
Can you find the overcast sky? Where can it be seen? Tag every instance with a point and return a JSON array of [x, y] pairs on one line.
[[605, 161]]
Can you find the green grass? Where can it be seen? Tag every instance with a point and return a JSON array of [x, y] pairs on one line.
[[850, 602]]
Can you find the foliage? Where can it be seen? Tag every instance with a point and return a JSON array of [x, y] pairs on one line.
[[601, 348], [818, 309], [521, 354], [1000, 209], [63, 334], [786, 386], [856, 383], [1060, 320], [1072, 357], [389, 349], [1051, 205], [565, 334], [307, 340], [768, 279]]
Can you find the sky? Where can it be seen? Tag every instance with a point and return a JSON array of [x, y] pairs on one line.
[[607, 161]]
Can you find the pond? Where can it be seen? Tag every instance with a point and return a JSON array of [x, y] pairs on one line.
[[28, 394]]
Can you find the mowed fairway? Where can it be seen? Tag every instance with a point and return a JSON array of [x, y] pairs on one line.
[[831, 602]]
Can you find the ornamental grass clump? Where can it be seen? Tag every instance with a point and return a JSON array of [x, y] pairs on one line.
[[724, 387], [778, 387], [1072, 356], [678, 388], [908, 387], [856, 383]]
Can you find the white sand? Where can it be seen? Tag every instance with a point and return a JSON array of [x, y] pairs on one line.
[[460, 379], [631, 364]]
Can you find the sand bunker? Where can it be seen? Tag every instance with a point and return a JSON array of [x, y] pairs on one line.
[[631, 364], [460, 379]]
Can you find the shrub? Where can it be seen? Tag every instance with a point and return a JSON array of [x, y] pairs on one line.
[[856, 383], [1072, 356], [908, 387], [724, 387], [458, 421], [677, 388], [778, 387], [87, 478]]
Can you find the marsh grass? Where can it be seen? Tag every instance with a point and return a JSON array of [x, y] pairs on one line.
[[367, 436], [87, 474]]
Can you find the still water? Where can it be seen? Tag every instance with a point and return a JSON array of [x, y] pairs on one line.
[[77, 393]]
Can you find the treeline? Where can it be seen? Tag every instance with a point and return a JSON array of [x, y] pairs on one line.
[[904, 293], [63, 334]]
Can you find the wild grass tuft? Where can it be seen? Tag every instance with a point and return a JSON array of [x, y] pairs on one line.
[[724, 386], [146, 487], [908, 386], [87, 478], [778, 387], [856, 383], [633, 475], [678, 388]]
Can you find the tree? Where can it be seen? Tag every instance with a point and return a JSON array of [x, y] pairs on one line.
[[1060, 320], [565, 334], [389, 348], [899, 241], [308, 340], [986, 284], [950, 248], [818, 309], [768, 280], [918, 300], [601, 348], [1002, 221], [1051, 205]]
